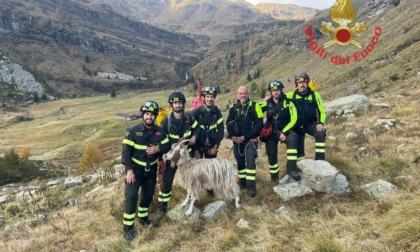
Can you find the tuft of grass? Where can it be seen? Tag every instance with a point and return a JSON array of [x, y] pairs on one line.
[[390, 167]]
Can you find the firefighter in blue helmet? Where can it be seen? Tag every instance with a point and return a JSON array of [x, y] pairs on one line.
[[143, 145]]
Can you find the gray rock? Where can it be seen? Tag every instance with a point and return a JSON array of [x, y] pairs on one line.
[[404, 177], [5, 198], [332, 138], [341, 186], [177, 214], [242, 223], [351, 136], [55, 182], [382, 105], [379, 188], [292, 190], [285, 179], [318, 175], [70, 182], [97, 189], [355, 102], [212, 210], [284, 210]]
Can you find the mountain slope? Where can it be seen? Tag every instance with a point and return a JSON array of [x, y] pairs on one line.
[[64, 44]]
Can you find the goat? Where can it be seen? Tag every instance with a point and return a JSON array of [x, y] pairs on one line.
[[196, 174]]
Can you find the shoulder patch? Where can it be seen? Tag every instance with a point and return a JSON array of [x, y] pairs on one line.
[[139, 133]]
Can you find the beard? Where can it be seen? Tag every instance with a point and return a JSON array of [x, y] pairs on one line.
[[148, 122], [178, 110]]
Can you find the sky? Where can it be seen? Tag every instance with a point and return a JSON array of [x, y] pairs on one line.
[[316, 4]]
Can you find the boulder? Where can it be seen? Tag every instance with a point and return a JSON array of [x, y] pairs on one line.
[[212, 210], [318, 175], [379, 188], [177, 214], [291, 190]]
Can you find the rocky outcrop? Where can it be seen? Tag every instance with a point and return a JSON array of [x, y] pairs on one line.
[[15, 75]]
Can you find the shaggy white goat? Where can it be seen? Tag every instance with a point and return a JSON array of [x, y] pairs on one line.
[[196, 174]]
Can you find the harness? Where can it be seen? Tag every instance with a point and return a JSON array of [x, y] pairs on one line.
[[303, 104]]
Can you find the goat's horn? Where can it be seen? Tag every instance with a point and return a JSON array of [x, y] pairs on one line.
[[184, 141]]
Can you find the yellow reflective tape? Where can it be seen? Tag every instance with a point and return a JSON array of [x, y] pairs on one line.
[[143, 214], [173, 136], [320, 144], [291, 151], [143, 209], [250, 177], [274, 170], [320, 150], [194, 124], [164, 141], [129, 216], [273, 166], [143, 163], [292, 158], [140, 147], [128, 223], [249, 171], [161, 194], [220, 120], [187, 134], [128, 142]]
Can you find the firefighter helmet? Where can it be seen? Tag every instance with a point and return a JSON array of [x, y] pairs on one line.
[[209, 90], [275, 85], [151, 107], [301, 77], [176, 97]]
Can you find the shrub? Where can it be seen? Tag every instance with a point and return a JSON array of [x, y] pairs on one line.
[[13, 209]]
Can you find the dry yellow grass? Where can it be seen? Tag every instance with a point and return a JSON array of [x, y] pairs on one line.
[[355, 223]]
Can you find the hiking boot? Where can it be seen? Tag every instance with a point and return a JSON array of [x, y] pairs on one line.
[[210, 193], [129, 234], [161, 213], [274, 177], [145, 221], [294, 175], [241, 185], [252, 192]]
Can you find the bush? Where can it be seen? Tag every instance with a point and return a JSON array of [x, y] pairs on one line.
[[13, 209]]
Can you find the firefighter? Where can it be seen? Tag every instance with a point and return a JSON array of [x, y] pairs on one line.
[[244, 122], [311, 116], [281, 118], [143, 145], [210, 120], [178, 125]]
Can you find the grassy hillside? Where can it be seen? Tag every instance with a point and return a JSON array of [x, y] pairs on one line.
[[355, 223]]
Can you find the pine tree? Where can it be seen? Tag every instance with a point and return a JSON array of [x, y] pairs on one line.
[[9, 167], [91, 159], [113, 93], [248, 77], [262, 89]]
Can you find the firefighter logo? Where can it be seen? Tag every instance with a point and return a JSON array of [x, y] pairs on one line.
[[343, 14]]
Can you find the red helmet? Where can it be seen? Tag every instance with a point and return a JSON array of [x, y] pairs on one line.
[[266, 130]]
